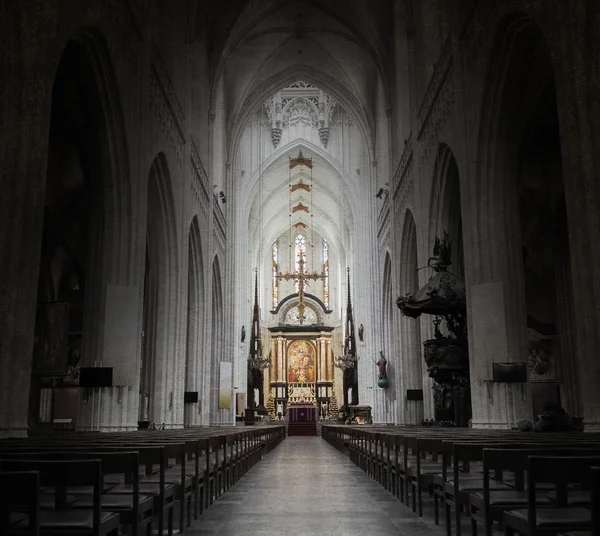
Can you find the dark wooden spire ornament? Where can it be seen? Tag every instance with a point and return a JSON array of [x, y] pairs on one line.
[[347, 362], [256, 363]]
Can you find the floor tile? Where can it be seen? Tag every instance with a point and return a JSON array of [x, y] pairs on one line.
[[305, 487]]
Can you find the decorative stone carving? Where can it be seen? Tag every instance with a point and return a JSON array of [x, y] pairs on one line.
[[478, 26], [324, 135], [404, 170], [220, 225], [270, 107], [301, 84], [276, 136], [165, 103], [127, 23], [300, 111], [293, 317], [437, 102], [540, 350], [199, 184], [439, 77]]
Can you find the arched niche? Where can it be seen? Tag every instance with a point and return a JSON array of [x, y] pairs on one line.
[[289, 314]]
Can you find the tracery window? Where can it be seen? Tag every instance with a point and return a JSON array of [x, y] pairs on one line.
[[300, 253], [326, 272], [274, 256]]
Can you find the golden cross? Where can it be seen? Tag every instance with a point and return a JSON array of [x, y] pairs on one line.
[[301, 277]]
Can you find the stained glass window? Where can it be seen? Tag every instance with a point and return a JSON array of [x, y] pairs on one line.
[[274, 254], [300, 254], [326, 272]]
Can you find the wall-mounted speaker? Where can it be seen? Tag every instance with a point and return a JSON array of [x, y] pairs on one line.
[[95, 377], [514, 372], [414, 394], [190, 397]]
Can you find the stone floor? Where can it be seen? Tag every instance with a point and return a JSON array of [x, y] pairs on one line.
[[305, 487]]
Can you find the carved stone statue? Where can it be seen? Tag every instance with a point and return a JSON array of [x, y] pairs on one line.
[[361, 332], [381, 365], [243, 333], [442, 253]]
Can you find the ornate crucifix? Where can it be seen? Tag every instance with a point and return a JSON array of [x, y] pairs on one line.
[[301, 277]]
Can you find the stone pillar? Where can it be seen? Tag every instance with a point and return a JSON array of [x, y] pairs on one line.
[[578, 114], [569, 373], [281, 359], [27, 74], [410, 374], [274, 361], [322, 360], [496, 405], [328, 361]]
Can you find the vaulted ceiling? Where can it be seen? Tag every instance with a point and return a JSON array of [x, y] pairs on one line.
[[259, 46]]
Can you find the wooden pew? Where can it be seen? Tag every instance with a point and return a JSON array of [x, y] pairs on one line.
[[562, 472], [135, 510], [192, 469], [61, 475], [20, 500], [487, 505]]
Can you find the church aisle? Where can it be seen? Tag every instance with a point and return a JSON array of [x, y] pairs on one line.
[[306, 487]]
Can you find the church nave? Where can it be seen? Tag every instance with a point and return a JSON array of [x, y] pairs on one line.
[[305, 487], [223, 223]]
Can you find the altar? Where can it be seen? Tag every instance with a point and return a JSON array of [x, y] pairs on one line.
[[302, 413], [302, 373]]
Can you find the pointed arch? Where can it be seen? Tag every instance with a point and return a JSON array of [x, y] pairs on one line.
[[160, 361], [120, 208], [216, 354], [194, 374], [88, 241], [411, 354], [389, 338], [446, 211]]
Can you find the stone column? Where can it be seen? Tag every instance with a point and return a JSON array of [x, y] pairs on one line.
[[569, 373], [274, 360], [578, 112], [281, 359], [27, 74], [328, 361], [322, 360]]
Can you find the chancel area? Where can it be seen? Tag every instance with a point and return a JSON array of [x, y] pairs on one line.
[[231, 230]]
